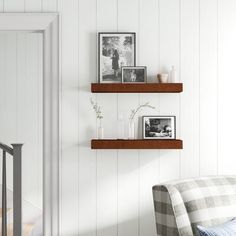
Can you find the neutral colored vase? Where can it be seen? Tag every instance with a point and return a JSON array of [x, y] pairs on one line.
[[100, 131], [162, 78], [173, 75], [131, 129]]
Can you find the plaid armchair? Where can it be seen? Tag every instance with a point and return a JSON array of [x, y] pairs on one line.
[[182, 205]]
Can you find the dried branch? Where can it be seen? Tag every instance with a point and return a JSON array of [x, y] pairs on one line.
[[135, 111], [97, 109]]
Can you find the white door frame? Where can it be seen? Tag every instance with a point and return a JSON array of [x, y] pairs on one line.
[[48, 24]]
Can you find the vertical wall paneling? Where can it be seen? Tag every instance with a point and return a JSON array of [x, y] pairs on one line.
[[87, 120], [128, 176], [169, 55], [149, 160], [2, 90], [50, 5], [107, 193], [107, 15], [128, 193], [107, 160], [1, 5], [189, 105], [69, 116], [33, 5], [208, 87], [149, 168], [14, 5], [149, 39], [40, 117], [11, 97], [128, 161], [29, 113], [226, 96]]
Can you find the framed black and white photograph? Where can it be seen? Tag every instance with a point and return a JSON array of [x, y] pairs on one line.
[[115, 50], [159, 127], [134, 74]]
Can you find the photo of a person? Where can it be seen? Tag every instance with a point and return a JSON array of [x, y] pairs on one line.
[[115, 51], [134, 74], [159, 127], [115, 62]]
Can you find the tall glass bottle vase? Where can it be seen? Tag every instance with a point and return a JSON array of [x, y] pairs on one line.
[[131, 129], [100, 130]]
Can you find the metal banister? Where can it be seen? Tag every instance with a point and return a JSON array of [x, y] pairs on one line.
[[6, 148], [17, 189], [4, 195]]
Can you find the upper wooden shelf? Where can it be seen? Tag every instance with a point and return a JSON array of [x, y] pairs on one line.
[[136, 144], [137, 88]]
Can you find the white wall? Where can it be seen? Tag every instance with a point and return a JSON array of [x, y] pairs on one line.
[[109, 192]]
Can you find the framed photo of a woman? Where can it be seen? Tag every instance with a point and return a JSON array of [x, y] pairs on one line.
[[115, 50]]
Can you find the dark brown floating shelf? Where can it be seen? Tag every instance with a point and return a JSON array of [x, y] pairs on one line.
[[136, 144], [137, 88]]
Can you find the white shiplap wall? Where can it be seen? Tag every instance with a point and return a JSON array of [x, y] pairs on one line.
[[109, 192]]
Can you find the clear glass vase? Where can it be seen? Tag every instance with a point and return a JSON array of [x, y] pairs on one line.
[[131, 130], [100, 130]]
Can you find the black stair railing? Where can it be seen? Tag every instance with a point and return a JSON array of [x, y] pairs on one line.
[[15, 151]]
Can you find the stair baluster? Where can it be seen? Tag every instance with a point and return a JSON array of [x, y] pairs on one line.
[[4, 195], [17, 189]]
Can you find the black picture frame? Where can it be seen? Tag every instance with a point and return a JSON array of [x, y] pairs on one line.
[[116, 78], [152, 131], [137, 80]]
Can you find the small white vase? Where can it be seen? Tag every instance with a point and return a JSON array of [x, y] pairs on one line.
[[100, 131], [131, 130]]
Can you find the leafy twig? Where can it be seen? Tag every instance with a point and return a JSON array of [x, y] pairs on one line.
[[135, 111], [97, 109]]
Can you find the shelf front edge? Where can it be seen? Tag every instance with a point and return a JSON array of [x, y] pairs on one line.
[[136, 88], [136, 144]]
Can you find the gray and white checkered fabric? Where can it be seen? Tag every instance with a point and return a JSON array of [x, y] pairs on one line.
[[182, 205]]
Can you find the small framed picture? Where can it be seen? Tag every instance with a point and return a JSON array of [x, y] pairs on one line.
[[134, 74], [159, 127], [114, 51]]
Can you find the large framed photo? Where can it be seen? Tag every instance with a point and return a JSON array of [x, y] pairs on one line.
[[134, 74], [115, 50], [159, 127]]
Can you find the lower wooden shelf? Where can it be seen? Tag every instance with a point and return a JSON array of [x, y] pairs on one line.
[[136, 144]]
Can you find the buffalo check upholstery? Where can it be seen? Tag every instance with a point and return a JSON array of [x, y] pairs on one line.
[[182, 205]]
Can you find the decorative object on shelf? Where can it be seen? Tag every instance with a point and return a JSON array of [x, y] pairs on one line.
[[134, 74], [159, 127], [97, 109], [114, 51], [162, 78], [100, 132], [131, 124], [131, 129], [120, 127], [173, 75]]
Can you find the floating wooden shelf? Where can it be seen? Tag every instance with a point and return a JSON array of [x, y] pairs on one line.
[[136, 144], [137, 88]]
